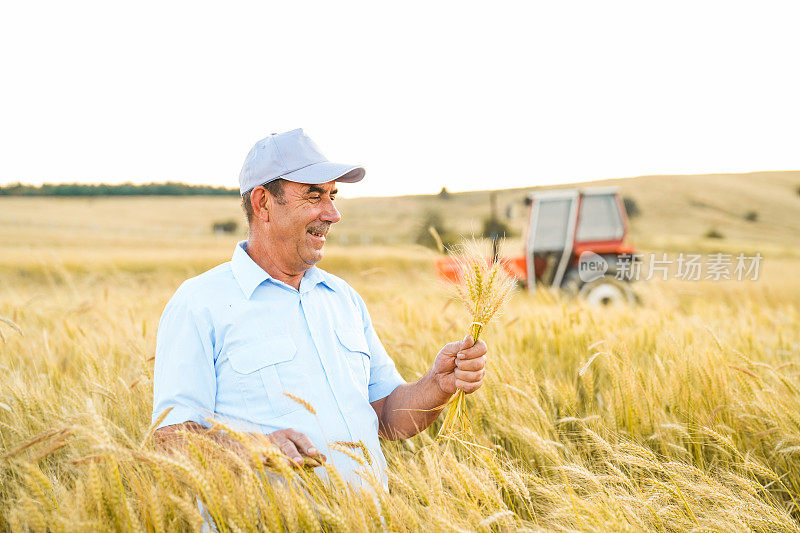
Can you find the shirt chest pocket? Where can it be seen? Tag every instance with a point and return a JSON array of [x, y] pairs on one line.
[[257, 368], [354, 350]]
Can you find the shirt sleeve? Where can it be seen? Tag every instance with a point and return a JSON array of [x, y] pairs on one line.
[[184, 377], [383, 375]]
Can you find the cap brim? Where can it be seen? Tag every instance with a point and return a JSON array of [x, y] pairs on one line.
[[324, 172]]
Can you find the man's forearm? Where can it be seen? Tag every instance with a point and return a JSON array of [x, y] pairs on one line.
[[411, 408]]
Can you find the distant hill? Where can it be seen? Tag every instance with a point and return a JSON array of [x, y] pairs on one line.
[[754, 211], [755, 208]]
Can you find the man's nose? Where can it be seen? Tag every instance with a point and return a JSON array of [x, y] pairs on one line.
[[331, 214]]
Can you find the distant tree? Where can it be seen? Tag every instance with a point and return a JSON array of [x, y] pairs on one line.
[[433, 219], [798, 189], [751, 216], [713, 234], [631, 207], [494, 227], [444, 194], [124, 189]]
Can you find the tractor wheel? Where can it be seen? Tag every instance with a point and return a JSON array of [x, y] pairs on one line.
[[607, 291]]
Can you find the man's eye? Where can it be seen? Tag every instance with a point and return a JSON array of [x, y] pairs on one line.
[[315, 198]]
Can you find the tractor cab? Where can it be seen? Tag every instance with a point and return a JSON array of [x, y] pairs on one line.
[[573, 241], [567, 225]]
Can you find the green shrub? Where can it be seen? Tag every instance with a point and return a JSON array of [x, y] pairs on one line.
[[631, 207], [224, 226]]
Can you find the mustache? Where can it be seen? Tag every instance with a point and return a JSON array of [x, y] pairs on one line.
[[322, 228]]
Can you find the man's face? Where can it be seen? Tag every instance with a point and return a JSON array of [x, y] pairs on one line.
[[298, 226]]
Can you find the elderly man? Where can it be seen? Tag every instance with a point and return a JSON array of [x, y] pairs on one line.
[[235, 341]]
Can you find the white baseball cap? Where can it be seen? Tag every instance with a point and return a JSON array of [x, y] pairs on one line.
[[292, 156]]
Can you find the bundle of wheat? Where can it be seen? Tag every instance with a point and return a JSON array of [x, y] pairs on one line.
[[484, 288]]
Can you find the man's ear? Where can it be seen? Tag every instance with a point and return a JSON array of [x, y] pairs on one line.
[[260, 202]]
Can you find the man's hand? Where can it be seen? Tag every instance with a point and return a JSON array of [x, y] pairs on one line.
[[295, 445], [460, 365], [412, 407], [291, 443]]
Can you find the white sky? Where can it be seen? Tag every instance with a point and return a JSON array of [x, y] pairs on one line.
[[423, 94]]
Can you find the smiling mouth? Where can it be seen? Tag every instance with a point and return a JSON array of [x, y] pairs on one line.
[[319, 235]]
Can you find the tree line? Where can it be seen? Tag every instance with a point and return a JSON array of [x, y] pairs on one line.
[[125, 189]]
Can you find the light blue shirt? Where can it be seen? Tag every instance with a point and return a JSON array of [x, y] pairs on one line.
[[233, 340]]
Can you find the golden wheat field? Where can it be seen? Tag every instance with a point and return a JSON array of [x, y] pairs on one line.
[[679, 414]]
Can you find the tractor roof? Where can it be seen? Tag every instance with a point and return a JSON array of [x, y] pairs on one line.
[[573, 191]]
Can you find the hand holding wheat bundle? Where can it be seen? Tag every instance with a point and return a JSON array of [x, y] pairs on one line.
[[484, 288]]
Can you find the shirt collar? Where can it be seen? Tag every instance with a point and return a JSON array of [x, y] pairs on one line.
[[249, 275]]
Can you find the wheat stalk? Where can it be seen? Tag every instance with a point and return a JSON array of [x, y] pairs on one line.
[[306, 404], [484, 289]]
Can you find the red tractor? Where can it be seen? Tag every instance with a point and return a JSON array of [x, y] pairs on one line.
[[574, 240]]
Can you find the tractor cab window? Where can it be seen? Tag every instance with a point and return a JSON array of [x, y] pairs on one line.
[[599, 219], [552, 223]]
